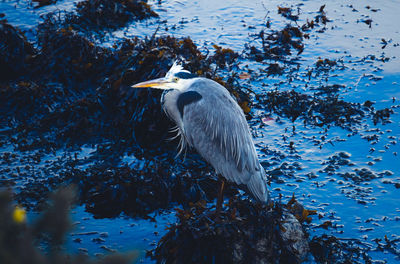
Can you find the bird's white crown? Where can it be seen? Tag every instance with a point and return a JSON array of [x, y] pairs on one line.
[[175, 68]]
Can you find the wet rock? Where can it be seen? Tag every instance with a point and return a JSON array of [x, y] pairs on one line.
[[108, 188], [293, 236], [244, 231]]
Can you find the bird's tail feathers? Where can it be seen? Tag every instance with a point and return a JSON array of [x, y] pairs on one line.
[[258, 186]]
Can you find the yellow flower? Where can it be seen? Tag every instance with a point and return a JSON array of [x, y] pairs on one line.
[[19, 214]]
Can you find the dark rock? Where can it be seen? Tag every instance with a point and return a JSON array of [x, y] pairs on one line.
[[244, 231]]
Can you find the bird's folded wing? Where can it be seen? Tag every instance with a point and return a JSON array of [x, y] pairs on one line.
[[217, 128]]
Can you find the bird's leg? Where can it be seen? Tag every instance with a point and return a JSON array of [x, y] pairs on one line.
[[220, 198]]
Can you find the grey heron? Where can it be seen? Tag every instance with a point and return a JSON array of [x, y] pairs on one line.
[[209, 120]]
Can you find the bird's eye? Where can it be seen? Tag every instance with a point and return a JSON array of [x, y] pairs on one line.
[[176, 79]]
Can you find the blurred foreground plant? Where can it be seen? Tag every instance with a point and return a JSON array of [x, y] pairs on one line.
[[40, 241]]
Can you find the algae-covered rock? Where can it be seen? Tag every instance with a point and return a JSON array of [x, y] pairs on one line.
[[245, 232]]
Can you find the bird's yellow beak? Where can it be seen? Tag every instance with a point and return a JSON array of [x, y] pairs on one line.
[[160, 83]]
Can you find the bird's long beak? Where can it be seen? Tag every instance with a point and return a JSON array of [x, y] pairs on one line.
[[160, 83]]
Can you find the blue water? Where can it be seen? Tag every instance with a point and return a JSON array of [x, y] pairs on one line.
[[122, 234], [365, 210]]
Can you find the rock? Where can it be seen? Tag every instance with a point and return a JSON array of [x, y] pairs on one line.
[[293, 236], [243, 232]]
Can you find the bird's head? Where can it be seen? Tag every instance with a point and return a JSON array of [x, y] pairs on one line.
[[176, 78]]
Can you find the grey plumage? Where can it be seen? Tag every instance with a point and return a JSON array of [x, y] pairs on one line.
[[223, 138], [215, 125]]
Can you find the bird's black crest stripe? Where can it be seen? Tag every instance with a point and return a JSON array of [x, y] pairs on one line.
[[185, 75], [187, 98]]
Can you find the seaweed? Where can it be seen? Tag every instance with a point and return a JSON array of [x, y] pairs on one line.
[[108, 188], [314, 110], [69, 91], [382, 115], [330, 249], [15, 52], [75, 86], [79, 93], [112, 14], [279, 45], [100, 16], [243, 232], [223, 57], [108, 191], [288, 13]]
